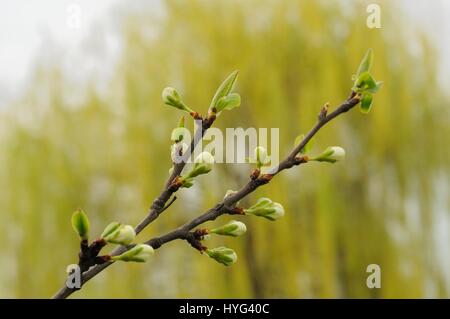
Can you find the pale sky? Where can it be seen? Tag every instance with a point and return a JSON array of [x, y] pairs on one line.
[[29, 28]]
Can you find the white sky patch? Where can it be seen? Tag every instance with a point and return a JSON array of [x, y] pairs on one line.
[[31, 29], [44, 30], [432, 16]]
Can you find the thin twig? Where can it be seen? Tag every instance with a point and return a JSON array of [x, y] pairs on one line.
[[168, 204]]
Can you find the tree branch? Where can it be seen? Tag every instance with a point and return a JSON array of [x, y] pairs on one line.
[[227, 205], [158, 206]]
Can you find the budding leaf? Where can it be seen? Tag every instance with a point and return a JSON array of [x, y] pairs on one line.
[[203, 165], [261, 158], [110, 229], [224, 89], [115, 233], [80, 223], [228, 102], [139, 253], [266, 208], [377, 87], [187, 182], [171, 97], [365, 82], [223, 255], [366, 103], [365, 85], [233, 228], [332, 154], [366, 63]]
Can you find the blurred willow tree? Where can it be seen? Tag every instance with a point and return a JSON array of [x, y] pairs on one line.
[[386, 204]]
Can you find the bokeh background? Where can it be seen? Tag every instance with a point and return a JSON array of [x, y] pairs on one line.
[[82, 125]]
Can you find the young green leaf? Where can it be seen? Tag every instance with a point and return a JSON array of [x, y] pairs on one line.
[[80, 223], [224, 89], [110, 229], [266, 208], [139, 253], [171, 97], [228, 102], [366, 63], [261, 158], [223, 255], [203, 164], [365, 82], [233, 228], [332, 154], [115, 233], [366, 102], [377, 87]]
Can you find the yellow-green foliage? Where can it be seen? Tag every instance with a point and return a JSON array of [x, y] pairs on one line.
[[110, 155]]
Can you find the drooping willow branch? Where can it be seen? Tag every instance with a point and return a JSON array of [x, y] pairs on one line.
[[359, 94]]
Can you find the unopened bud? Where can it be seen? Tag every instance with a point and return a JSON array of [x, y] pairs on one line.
[[115, 233], [139, 253], [261, 157], [203, 165], [266, 208], [171, 97], [223, 255], [80, 223], [331, 155], [233, 228]]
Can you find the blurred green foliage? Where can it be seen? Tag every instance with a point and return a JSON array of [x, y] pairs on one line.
[[385, 204]]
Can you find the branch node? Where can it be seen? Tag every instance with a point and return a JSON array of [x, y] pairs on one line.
[[196, 116], [200, 233], [194, 242], [102, 259], [236, 211], [155, 243], [265, 178], [323, 112], [96, 246], [255, 173], [300, 160], [174, 186], [210, 118]]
